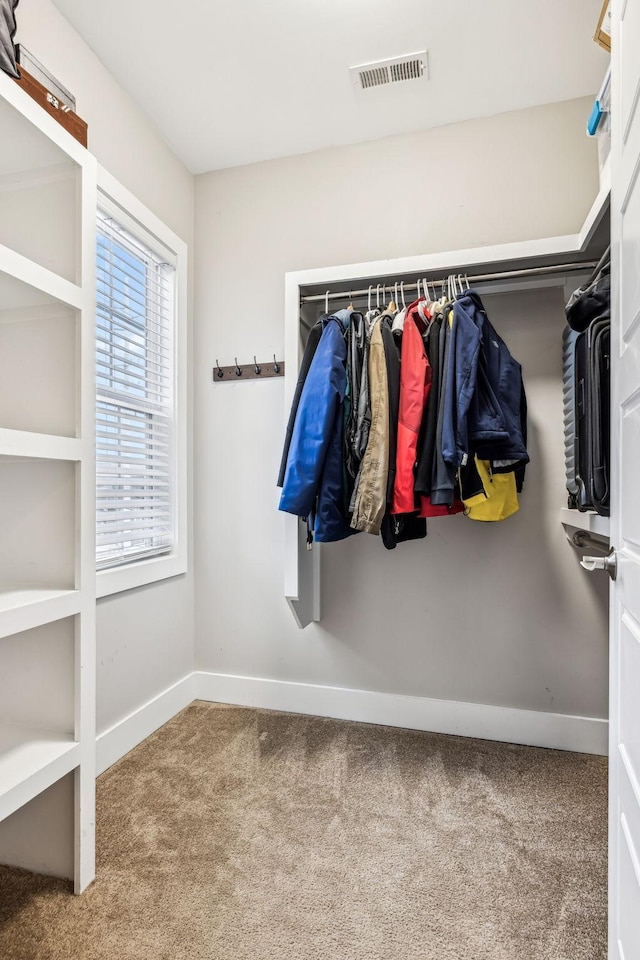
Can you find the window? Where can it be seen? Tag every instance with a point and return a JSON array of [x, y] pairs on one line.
[[138, 495]]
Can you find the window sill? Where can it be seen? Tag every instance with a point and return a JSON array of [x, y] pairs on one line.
[[119, 579]]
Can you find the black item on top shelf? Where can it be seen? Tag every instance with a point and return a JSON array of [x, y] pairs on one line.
[[7, 32]]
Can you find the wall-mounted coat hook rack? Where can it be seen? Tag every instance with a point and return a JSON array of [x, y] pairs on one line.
[[255, 370]]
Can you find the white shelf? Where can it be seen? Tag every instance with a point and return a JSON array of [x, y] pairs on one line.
[[598, 207], [40, 446], [31, 760], [590, 522], [48, 198], [24, 283], [22, 608]]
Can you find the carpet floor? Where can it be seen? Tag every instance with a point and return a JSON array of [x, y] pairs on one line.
[[239, 834]]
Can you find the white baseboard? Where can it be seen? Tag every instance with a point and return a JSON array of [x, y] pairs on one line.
[[555, 730], [123, 736], [510, 725]]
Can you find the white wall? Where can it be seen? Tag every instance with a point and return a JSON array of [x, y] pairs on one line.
[[145, 637], [494, 614]]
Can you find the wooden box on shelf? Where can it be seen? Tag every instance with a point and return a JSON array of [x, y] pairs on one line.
[[602, 36], [76, 126]]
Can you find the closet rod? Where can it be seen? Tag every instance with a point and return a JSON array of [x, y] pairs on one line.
[[584, 265]]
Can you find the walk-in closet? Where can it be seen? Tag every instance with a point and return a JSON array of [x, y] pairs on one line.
[[319, 577]]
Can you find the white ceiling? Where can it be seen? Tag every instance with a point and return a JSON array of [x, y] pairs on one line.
[[237, 81]]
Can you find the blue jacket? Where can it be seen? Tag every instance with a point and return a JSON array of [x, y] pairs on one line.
[[313, 480], [485, 409]]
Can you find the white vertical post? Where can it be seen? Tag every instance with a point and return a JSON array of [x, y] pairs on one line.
[[85, 669]]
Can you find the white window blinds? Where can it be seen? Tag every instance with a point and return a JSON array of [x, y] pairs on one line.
[[135, 410]]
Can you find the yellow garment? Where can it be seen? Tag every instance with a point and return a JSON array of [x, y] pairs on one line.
[[474, 501], [501, 500]]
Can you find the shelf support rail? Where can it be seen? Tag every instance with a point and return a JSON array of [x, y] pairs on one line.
[[581, 265]]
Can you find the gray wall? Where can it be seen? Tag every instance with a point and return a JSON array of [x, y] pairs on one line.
[[145, 637], [499, 614]]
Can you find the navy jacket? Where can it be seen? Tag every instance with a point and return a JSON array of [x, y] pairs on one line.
[[484, 406], [313, 480]]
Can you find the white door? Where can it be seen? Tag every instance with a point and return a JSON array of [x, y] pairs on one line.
[[624, 710]]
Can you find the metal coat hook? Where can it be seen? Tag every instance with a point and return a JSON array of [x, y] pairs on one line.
[[249, 371]]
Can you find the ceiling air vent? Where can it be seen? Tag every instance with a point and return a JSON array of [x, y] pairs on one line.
[[382, 73]]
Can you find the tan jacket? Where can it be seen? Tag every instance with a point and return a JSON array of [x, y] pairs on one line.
[[371, 491]]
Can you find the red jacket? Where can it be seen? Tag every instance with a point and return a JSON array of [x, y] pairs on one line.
[[428, 509], [415, 384]]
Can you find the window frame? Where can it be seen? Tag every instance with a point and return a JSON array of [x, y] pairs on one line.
[[116, 200]]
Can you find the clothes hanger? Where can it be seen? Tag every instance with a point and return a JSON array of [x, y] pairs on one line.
[[425, 306], [404, 305], [369, 300], [326, 302], [392, 303], [431, 299]]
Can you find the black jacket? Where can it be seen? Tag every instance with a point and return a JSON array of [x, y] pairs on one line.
[[309, 352], [399, 527], [427, 439]]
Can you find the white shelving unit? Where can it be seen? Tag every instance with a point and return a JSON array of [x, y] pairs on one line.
[[590, 522], [302, 568], [47, 492]]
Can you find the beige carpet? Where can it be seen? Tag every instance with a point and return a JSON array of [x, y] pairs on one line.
[[236, 834]]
